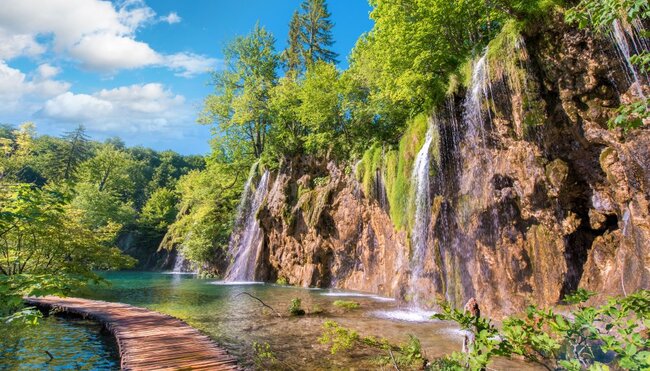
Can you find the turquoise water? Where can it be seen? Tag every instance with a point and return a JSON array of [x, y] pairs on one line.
[[74, 344], [237, 321]]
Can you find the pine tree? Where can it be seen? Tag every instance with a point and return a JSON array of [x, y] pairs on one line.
[[75, 151], [293, 53], [316, 32]]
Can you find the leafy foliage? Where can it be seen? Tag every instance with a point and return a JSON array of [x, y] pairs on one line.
[[579, 340], [600, 14]]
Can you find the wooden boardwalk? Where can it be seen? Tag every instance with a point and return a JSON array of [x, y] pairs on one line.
[[147, 340]]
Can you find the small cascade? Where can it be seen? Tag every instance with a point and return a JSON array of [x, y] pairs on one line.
[[380, 187], [246, 242], [179, 263], [628, 44], [479, 168], [182, 265], [422, 200]]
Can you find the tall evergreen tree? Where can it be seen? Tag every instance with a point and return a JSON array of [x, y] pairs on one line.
[[293, 53], [316, 32], [75, 151]]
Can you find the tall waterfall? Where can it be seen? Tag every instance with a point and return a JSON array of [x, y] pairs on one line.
[[422, 199], [246, 240]]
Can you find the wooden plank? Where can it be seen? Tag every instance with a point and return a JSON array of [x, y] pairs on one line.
[[147, 340]]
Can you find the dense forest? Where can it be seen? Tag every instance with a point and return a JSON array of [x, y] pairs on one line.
[[68, 202]]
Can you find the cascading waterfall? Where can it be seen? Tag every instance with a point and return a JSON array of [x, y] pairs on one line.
[[246, 243], [422, 199], [626, 50]]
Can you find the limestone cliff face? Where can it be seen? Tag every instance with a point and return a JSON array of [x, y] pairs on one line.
[[536, 212], [321, 231]]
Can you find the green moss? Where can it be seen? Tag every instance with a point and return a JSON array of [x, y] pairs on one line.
[[400, 193], [313, 202], [465, 73], [371, 162], [454, 84], [507, 60], [347, 304]]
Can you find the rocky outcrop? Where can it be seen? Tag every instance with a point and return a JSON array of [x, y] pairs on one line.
[[552, 202], [320, 231]]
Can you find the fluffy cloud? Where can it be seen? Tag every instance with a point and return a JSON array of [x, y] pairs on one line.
[[18, 91], [148, 108], [101, 35], [14, 45], [76, 107], [106, 52], [189, 64]]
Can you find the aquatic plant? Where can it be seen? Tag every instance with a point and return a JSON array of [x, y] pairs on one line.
[[295, 309], [347, 304], [340, 339]]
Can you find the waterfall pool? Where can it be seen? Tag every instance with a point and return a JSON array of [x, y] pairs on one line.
[[237, 321]]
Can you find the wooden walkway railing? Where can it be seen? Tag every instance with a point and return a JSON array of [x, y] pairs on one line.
[[147, 340]]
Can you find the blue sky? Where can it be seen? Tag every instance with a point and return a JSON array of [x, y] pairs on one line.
[[136, 69]]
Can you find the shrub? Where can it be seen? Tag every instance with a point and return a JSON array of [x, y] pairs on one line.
[[574, 341]]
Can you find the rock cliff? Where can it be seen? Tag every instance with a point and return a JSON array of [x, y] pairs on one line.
[[541, 200]]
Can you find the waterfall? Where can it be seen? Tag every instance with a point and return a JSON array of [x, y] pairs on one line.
[[619, 35], [179, 263], [246, 240], [419, 233], [478, 174]]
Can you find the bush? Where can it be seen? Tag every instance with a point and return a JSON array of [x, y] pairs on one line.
[[575, 341]]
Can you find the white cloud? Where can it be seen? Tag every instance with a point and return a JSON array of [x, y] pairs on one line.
[[148, 108], [189, 64], [101, 35], [47, 71], [105, 52], [14, 45], [171, 18], [76, 107], [17, 91]]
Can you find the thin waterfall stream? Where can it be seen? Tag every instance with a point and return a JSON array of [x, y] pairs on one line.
[[247, 242], [422, 200]]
